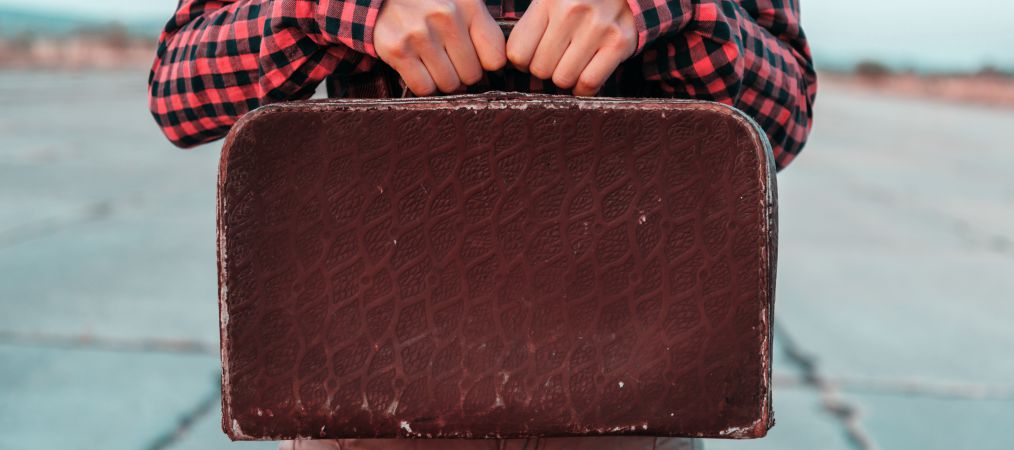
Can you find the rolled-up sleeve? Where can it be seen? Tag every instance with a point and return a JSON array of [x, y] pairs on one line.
[[219, 59], [751, 54]]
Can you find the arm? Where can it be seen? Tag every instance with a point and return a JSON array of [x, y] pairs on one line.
[[219, 59], [751, 54]]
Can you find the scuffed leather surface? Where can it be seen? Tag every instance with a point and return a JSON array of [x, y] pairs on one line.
[[496, 266], [560, 443]]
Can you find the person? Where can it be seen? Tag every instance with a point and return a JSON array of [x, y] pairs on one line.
[[219, 59]]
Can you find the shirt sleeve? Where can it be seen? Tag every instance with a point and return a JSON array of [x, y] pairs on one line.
[[217, 60], [751, 54]]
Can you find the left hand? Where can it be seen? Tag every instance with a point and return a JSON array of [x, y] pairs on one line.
[[576, 43]]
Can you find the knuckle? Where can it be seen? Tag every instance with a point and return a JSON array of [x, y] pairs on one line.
[[395, 50], [619, 40], [623, 47], [611, 30], [416, 36], [575, 7], [423, 91], [450, 87], [628, 37], [498, 62], [600, 26], [620, 37], [447, 83], [511, 52], [442, 12], [515, 57], [540, 72], [586, 84], [471, 78], [563, 80]]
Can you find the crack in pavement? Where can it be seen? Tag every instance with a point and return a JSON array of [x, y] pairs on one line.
[[91, 342], [846, 413], [204, 407], [923, 388], [206, 404], [905, 387]]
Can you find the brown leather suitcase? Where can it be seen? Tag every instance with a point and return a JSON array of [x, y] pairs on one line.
[[496, 265]]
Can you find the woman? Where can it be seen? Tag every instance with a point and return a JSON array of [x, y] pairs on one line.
[[220, 59]]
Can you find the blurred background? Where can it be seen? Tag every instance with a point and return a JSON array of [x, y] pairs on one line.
[[895, 314]]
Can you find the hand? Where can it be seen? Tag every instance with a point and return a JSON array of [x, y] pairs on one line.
[[576, 43], [438, 44]]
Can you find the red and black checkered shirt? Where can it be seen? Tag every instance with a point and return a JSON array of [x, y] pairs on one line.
[[219, 59]]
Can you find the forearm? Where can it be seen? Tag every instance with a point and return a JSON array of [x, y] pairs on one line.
[[218, 60], [754, 58]]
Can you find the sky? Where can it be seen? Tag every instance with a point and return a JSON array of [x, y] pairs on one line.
[[114, 9], [961, 34], [933, 34]]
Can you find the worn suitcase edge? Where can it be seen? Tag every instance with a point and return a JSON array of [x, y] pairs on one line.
[[766, 172]]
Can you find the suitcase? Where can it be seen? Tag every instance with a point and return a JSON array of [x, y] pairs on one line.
[[496, 265]]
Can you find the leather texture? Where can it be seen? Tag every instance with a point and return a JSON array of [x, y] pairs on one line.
[[496, 265], [563, 443]]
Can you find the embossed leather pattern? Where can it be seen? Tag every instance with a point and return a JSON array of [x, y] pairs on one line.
[[496, 265]]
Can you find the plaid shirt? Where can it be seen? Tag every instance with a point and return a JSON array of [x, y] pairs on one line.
[[219, 59]]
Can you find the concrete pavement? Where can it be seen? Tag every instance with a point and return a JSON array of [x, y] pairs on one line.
[[895, 314]]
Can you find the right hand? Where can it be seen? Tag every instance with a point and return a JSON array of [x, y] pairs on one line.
[[438, 44]]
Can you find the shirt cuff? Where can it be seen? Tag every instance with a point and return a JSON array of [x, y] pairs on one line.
[[348, 22], [656, 18]]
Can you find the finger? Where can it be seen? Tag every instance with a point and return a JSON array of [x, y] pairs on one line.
[[434, 57], [601, 66], [488, 41], [415, 74], [575, 59], [524, 40], [551, 47], [458, 45]]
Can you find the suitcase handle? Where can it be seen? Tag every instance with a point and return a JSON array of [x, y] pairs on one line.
[[506, 26], [385, 81]]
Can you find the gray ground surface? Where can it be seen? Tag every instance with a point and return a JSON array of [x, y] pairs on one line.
[[895, 313]]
